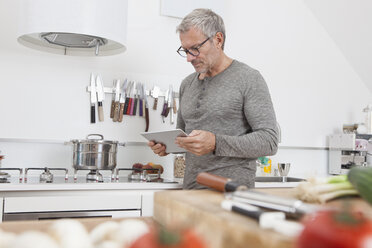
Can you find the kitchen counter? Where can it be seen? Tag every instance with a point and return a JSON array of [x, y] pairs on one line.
[[223, 229], [8, 187]]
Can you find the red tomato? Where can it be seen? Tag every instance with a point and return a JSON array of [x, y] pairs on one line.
[[331, 229], [148, 240], [191, 240]]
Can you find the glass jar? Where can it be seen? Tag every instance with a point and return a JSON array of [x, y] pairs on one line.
[[179, 166]]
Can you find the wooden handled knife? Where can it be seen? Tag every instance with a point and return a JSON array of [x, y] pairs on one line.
[[117, 99], [122, 100]]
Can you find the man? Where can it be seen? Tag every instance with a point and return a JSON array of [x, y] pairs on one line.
[[225, 107]]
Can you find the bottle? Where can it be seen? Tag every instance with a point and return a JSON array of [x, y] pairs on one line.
[[179, 166]]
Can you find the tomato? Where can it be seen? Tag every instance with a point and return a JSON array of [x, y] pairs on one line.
[[148, 240], [163, 238], [336, 229]]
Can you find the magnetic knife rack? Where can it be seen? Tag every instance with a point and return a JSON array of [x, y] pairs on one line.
[[162, 93]]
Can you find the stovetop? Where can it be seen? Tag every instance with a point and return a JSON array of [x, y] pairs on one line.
[[48, 176]]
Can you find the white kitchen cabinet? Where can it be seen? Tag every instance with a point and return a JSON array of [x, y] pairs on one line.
[[1, 209]]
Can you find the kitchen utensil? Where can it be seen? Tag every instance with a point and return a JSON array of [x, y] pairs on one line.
[[155, 94], [127, 98], [146, 109], [100, 96], [113, 99], [165, 110], [170, 105], [267, 220], [117, 99], [239, 193], [94, 153], [93, 99], [122, 100], [132, 99], [136, 96]]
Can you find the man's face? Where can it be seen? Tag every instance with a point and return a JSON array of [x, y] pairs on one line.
[[208, 53]]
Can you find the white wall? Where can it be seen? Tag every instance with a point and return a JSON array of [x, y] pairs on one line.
[[313, 87]]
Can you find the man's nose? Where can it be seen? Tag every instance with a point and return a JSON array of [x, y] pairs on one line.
[[190, 57]]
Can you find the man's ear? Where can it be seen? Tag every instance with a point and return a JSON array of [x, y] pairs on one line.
[[219, 38]]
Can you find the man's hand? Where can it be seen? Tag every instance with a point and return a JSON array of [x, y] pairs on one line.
[[198, 142], [157, 148]]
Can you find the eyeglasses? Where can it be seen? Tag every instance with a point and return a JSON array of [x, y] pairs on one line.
[[194, 51]]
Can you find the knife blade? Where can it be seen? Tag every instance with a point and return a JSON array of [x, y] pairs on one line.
[[122, 100], [170, 104], [146, 109], [141, 95], [136, 96], [132, 97], [112, 110], [101, 97], [93, 99], [117, 99], [155, 94]]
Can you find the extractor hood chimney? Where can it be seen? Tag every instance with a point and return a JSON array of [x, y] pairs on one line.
[[74, 27]]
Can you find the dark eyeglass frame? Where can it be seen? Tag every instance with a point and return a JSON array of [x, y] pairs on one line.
[[187, 51]]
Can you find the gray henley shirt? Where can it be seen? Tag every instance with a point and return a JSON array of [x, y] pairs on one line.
[[236, 106]]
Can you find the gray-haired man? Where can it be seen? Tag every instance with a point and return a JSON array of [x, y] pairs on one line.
[[225, 106]]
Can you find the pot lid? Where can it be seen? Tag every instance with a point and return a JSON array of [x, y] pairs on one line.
[[90, 140]]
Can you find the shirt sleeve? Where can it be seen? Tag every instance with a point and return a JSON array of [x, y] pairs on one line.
[[262, 138]]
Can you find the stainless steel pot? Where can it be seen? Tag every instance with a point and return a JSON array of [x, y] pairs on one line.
[[94, 154]]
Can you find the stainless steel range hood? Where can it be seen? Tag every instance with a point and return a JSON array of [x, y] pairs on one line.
[[74, 27]]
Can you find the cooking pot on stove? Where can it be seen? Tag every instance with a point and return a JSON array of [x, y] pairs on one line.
[[94, 153]]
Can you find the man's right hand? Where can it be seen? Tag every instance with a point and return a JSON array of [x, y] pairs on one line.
[[157, 148]]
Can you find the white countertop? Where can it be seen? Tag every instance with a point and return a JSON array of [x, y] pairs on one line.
[[276, 185], [88, 186]]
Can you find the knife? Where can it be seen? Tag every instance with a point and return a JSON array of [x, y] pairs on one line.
[[155, 94], [101, 97], [136, 96], [267, 220], [113, 99], [240, 193], [132, 98], [93, 99], [170, 104], [146, 109], [141, 96], [122, 100], [117, 99], [165, 105], [127, 93]]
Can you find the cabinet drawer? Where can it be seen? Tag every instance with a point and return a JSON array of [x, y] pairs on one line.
[[72, 203]]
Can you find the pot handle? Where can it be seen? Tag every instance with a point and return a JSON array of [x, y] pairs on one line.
[[95, 134]]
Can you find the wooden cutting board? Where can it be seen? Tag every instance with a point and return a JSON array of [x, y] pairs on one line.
[[220, 228]]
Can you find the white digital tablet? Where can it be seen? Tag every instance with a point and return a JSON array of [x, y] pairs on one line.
[[166, 138]]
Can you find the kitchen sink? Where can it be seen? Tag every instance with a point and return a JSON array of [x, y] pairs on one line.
[[278, 179]]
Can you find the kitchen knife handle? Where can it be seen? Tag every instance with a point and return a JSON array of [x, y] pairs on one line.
[[135, 106], [174, 106], [155, 104], [129, 106], [140, 108], [219, 183], [116, 111], [112, 108], [166, 111], [92, 113], [147, 119], [121, 111], [100, 112], [126, 105], [165, 106]]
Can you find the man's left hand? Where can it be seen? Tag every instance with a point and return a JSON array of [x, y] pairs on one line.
[[198, 142]]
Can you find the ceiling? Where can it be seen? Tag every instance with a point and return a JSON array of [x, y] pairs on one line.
[[349, 24]]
